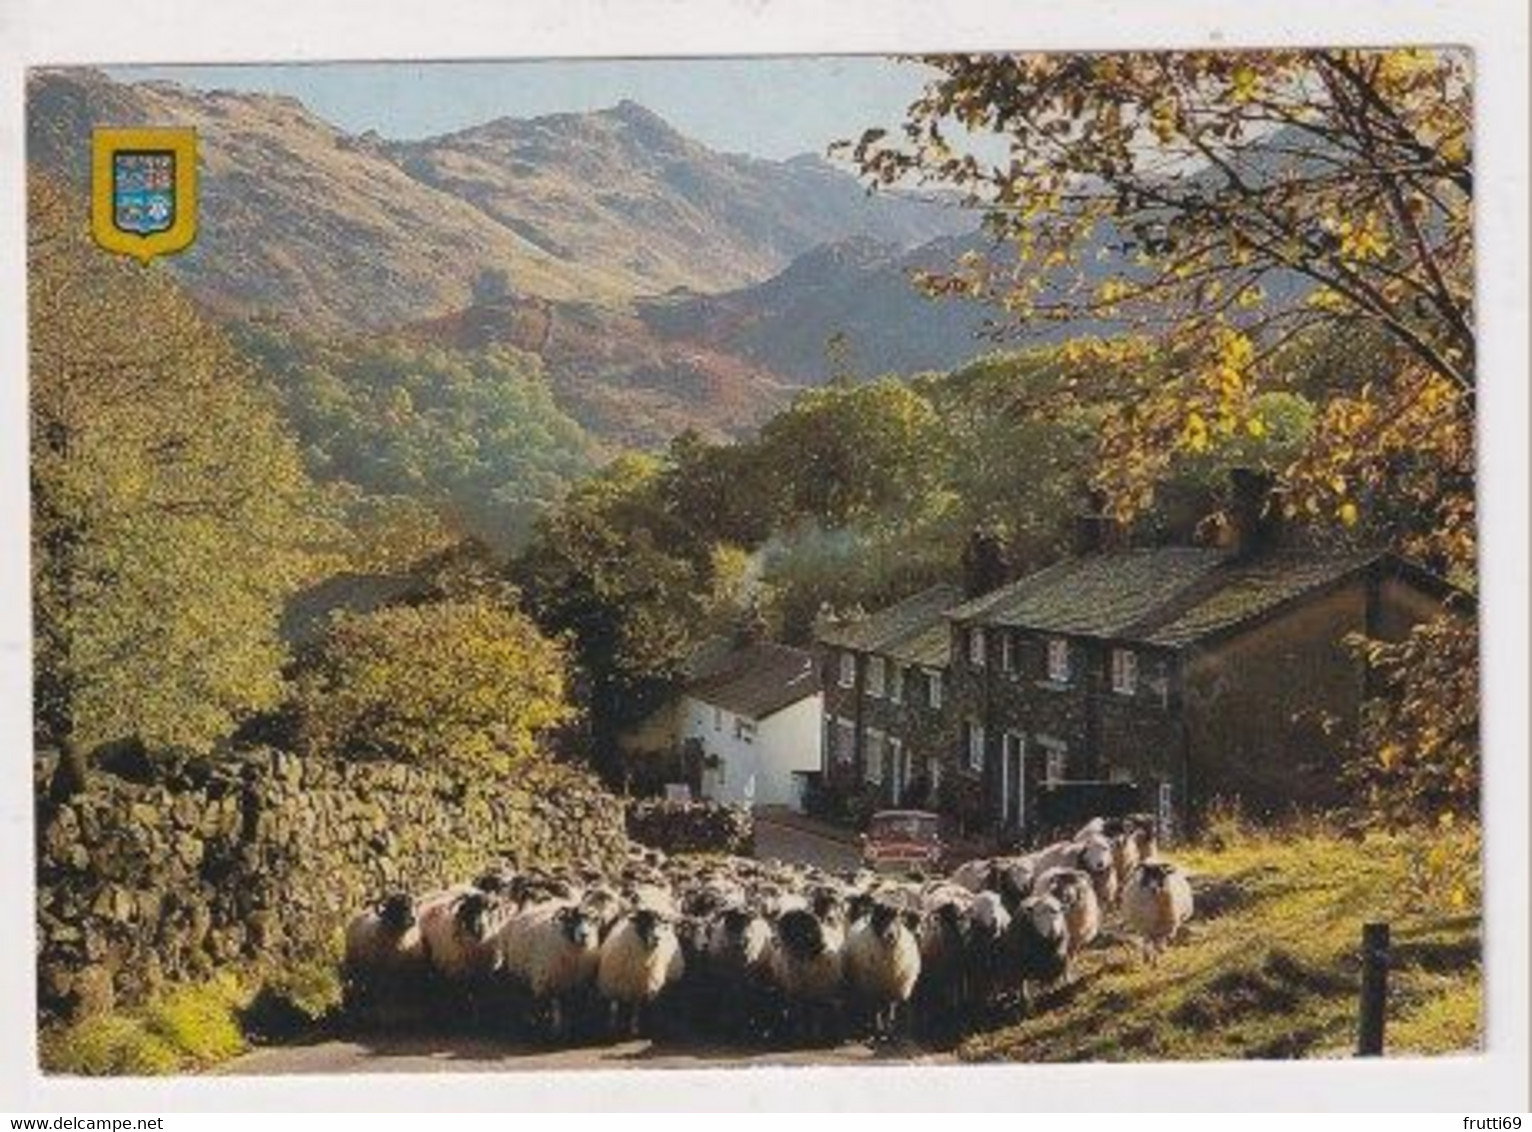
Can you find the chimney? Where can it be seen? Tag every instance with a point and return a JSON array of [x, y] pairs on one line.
[[984, 562], [1254, 512], [1096, 531]]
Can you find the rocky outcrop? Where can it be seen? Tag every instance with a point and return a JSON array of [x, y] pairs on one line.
[[261, 859]]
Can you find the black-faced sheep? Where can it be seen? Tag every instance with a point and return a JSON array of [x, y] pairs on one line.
[[457, 930], [1037, 945], [806, 962], [552, 951], [1155, 903], [640, 958], [1082, 912], [882, 965], [385, 957]]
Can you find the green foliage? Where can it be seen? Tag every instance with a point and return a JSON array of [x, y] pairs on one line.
[[462, 680], [185, 1028], [199, 1021], [107, 1045], [620, 574], [475, 434], [296, 998], [846, 452], [1416, 756], [171, 511]]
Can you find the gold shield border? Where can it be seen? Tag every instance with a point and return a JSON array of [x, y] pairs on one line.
[[183, 230]]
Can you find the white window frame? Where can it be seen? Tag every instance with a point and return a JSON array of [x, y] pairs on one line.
[[1007, 651], [974, 756], [848, 670], [895, 683], [1124, 672], [1059, 660], [976, 646], [845, 752], [872, 763], [1055, 760], [744, 729], [877, 676], [934, 690]]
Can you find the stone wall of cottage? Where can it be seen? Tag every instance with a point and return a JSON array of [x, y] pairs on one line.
[[261, 859]]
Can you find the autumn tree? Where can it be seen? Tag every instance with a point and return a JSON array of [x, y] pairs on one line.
[[465, 681], [1244, 199], [168, 505], [1225, 210]]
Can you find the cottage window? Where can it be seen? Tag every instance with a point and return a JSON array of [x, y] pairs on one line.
[[717, 719], [976, 647], [845, 741], [848, 670], [1124, 671], [975, 745], [896, 683], [934, 689], [1058, 660], [875, 675], [1055, 760], [745, 729], [1008, 652], [874, 766]]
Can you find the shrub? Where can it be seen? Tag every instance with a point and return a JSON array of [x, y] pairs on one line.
[[463, 680], [199, 1021], [107, 1045]]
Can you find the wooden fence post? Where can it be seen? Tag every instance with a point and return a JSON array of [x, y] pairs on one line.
[[1374, 989]]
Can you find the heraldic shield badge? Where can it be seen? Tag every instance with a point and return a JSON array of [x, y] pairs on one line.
[[144, 190]]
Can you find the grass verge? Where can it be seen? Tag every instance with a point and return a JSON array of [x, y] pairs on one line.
[[1269, 967]]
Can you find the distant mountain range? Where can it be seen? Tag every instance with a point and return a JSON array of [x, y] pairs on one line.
[[664, 284]]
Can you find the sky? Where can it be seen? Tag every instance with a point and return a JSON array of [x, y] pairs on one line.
[[767, 107]]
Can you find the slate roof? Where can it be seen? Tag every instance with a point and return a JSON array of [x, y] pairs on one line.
[[758, 680], [912, 631], [1166, 596]]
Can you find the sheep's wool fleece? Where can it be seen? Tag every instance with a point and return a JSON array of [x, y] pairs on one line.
[[880, 970], [808, 980], [1157, 915], [536, 950], [629, 972], [373, 947]]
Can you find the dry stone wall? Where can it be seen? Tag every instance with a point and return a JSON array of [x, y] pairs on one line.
[[262, 858]]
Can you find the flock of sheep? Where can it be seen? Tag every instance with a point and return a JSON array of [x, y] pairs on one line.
[[761, 950]]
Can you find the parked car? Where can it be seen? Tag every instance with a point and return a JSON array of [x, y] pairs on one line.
[[902, 840]]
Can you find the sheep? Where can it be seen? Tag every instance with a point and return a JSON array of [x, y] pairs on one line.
[[1073, 890], [1156, 901], [941, 993], [736, 975], [457, 929], [640, 958], [1011, 877], [1097, 859], [1037, 946], [806, 964], [882, 965], [552, 950], [1132, 839], [384, 951]]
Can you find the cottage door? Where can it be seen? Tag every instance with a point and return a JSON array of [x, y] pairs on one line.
[[1013, 784]]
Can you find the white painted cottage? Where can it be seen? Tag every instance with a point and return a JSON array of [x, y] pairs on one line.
[[756, 717]]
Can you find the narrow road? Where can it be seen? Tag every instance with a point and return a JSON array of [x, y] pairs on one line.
[[476, 1053]]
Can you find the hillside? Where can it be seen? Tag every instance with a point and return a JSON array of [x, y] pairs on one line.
[[304, 220], [623, 192]]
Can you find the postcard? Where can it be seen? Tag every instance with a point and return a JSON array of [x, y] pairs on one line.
[[751, 561]]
